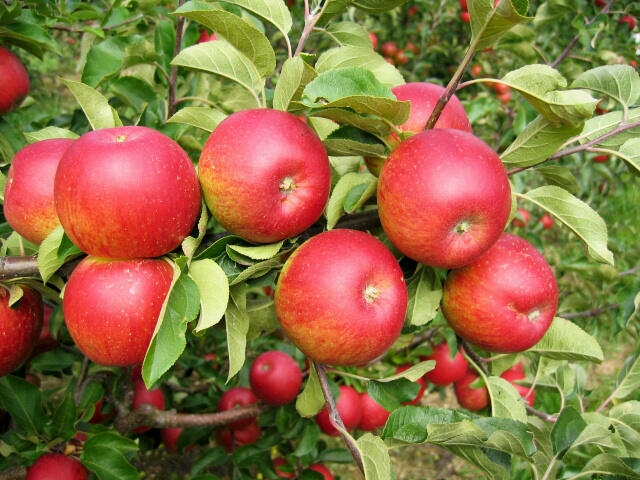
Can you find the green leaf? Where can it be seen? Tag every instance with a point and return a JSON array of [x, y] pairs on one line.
[[311, 400], [262, 318], [566, 341], [133, 92], [335, 207], [49, 132], [181, 307], [350, 141], [425, 293], [560, 177], [105, 454], [607, 464], [64, 418], [566, 429], [237, 324], [191, 244], [15, 294], [349, 33], [98, 111], [488, 25], [375, 457], [576, 215], [509, 436], [23, 401], [257, 270], [413, 373], [537, 143], [273, 11], [214, 292], [378, 6], [603, 124], [505, 400], [620, 82], [242, 35], [331, 9], [205, 118], [364, 57], [295, 75], [630, 152], [221, 58], [309, 440], [54, 251], [29, 36], [104, 60], [390, 394], [258, 252], [628, 378]]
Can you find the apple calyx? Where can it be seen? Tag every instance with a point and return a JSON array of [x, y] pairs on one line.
[[371, 293], [287, 186]]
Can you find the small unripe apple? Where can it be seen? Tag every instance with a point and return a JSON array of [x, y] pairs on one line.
[[341, 298], [265, 175], [349, 409], [126, 192], [373, 415], [629, 20], [28, 195], [15, 81], [20, 327], [465, 17], [601, 158], [240, 436], [323, 470], [389, 49], [279, 462], [111, 307], [526, 216], [517, 373], [505, 300], [547, 221], [55, 466], [237, 397], [443, 197], [469, 397], [374, 40], [447, 369], [275, 378], [142, 396], [420, 382]]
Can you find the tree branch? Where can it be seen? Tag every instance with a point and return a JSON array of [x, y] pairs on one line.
[[590, 313], [631, 271], [14, 267], [538, 413], [174, 69], [14, 473], [310, 19], [477, 359]]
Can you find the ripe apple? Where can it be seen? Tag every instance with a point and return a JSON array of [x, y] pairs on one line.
[[204, 37], [15, 81], [373, 415], [265, 175], [447, 369], [633, 63], [420, 382], [476, 70], [401, 57], [111, 307], [126, 192], [501, 88], [237, 397], [389, 49], [55, 466], [463, 5], [601, 3], [601, 158], [547, 221], [465, 17], [323, 470], [349, 409], [443, 197], [469, 397], [341, 298], [526, 216], [142, 396], [412, 11], [275, 378], [390, 60], [629, 20], [45, 340], [517, 373], [240, 436], [278, 462], [98, 416], [28, 195], [20, 327], [505, 98], [505, 300], [412, 47], [170, 437], [374, 40]]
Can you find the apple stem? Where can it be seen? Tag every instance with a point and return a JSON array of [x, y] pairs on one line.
[[334, 416], [81, 376]]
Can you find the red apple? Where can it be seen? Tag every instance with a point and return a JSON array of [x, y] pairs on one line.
[[111, 307], [469, 397], [505, 300], [401, 57], [265, 175], [633, 63], [341, 298], [204, 37], [465, 17], [170, 437], [45, 340], [20, 327], [526, 216], [373, 415], [349, 409], [601, 3], [142, 396], [447, 369], [278, 462], [443, 197], [412, 47], [412, 11], [126, 192], [629, 20], [240, 436], [463, 5], [420, 382], [323, 470], [15, 81], [55, 466], [32, 379], [389, 49], [390, 60], [517, 373], [505, 97], [476, 70], [28, 195], [374, 40], [98, 416], [275, 378], [501, 88], [547, 221], [601, 158], [237, 397]]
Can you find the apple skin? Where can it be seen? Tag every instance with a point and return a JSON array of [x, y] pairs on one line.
[[447, 369], [28, 195], [501, 88], [341, 298], [373, 415], [466, 18], [275, 378], [505, 300], [526, 216], [463, 5], [126, 192], [476, 70], [111, 307], [389, 49], [170, 437], [98, 416], [265, 175], [15, 81], [601, 158], [468, 397], [629, 20], [420, 382], [237, 397], [278, 462], [55, 466], [242, 436], [517, 373], [547, 221], [443, 197], [323, 470], [20, 326], [374, 40], [142, 396], [349, 409], [505, 98]]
